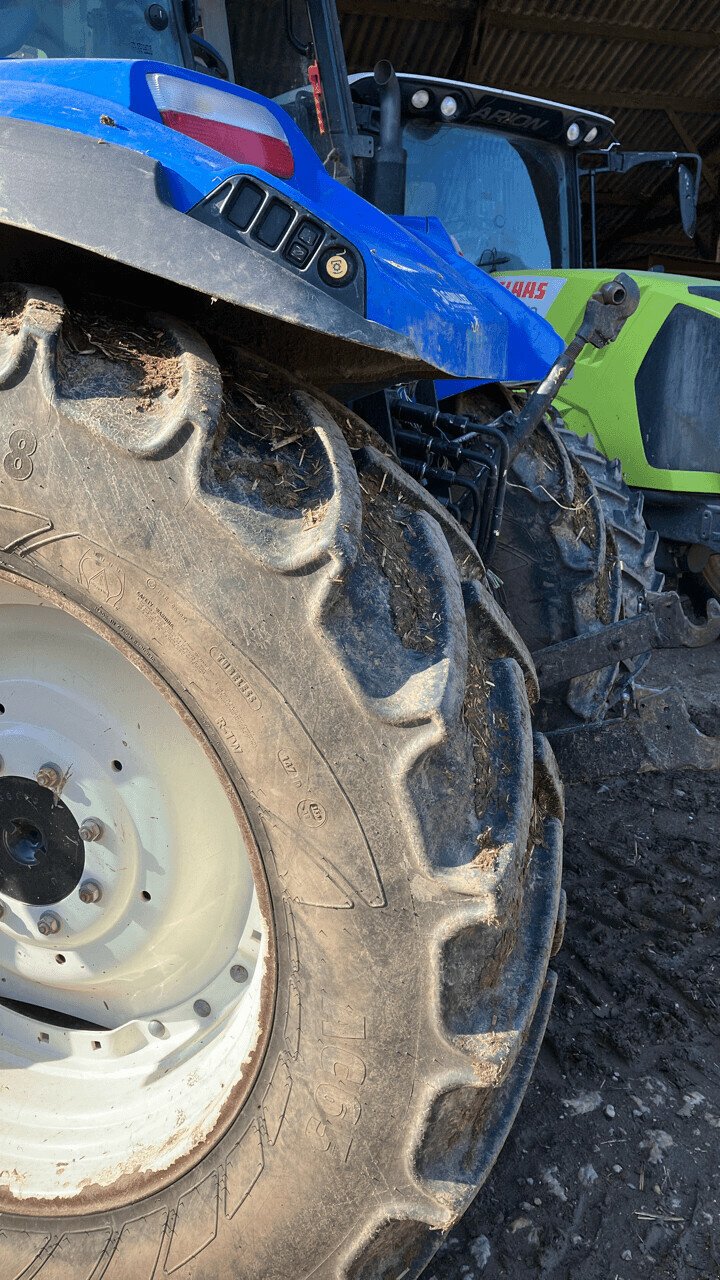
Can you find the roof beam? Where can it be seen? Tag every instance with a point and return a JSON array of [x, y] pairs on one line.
[[474, 42], [688, 141], [683, 134], [547, 25], [420, 11]]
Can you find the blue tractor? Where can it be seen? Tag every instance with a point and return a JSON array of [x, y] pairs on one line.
[[280, 852]]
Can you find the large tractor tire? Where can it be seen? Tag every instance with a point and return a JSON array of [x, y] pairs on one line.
[[559, 570], [280, 856], [636, 544], [572, 556]]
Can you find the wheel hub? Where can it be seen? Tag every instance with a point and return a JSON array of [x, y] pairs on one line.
[[42, 858], [132, 944]]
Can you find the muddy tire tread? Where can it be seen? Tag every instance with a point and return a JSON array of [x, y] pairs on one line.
[[487, 858]]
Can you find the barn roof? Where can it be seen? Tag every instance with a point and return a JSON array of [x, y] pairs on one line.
[[654, 65]]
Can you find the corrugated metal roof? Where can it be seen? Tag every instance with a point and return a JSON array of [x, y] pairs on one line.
[[652, 64]]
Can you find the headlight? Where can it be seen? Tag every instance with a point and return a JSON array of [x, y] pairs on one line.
[[448, 107]]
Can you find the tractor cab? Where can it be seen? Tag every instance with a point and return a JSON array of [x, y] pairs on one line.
[[511, 177], [513, 181], [95, 29], [127, 29], [281, 51]]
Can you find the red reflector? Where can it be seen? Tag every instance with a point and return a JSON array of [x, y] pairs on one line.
[[260, 149]]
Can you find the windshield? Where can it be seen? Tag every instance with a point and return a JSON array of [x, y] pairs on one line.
[[89, 29], [502, 197]]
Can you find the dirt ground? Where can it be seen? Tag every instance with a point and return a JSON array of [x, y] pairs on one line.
[[612, 1171]]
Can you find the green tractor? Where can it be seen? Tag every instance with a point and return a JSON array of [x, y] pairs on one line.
[[505, 174]]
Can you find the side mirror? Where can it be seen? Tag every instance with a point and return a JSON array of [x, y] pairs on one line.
[[687, 199], [209, 58]]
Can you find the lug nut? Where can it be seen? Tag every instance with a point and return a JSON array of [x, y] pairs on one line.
[[239, 973], [48, 775], [48, 923], [90, 830], [156, 1028], [202, 1008], [90, 891]]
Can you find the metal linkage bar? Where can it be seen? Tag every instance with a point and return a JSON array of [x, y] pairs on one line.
[[605, 314], [662, 625]]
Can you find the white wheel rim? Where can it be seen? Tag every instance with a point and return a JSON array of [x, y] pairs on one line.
[[169, 962]]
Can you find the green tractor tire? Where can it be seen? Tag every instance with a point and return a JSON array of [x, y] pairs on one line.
[[573, 555], [623, 508]]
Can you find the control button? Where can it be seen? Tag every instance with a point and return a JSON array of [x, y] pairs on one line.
[[274, 224], [298, 253], [245, 205], [309, 233], [337, 266]]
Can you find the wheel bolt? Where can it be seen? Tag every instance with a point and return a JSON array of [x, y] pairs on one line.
[[48, 775], [239, 973], [90, 830], [156, 1028], [202, 1008], [90, 891], [48, 923]]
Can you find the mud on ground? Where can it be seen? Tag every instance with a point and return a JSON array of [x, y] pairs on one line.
[[612, 1171]]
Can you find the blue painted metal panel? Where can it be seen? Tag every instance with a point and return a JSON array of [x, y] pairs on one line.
[[460, 320]]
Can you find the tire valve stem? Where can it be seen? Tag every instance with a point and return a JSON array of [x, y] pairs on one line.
[[90, 830], [90, 891], [48, 923]]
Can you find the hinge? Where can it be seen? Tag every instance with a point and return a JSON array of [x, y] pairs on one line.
[[363, 146]]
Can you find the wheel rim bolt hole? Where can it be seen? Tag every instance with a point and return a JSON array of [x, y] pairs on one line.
[[117, 766], [146, 897], [60, 959], [202, 1008], [239, 973]]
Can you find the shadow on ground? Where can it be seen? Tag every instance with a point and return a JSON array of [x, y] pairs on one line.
[[612, 1171]]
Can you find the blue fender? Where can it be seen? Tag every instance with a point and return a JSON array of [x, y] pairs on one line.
[[533, 346], [452, 316]]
